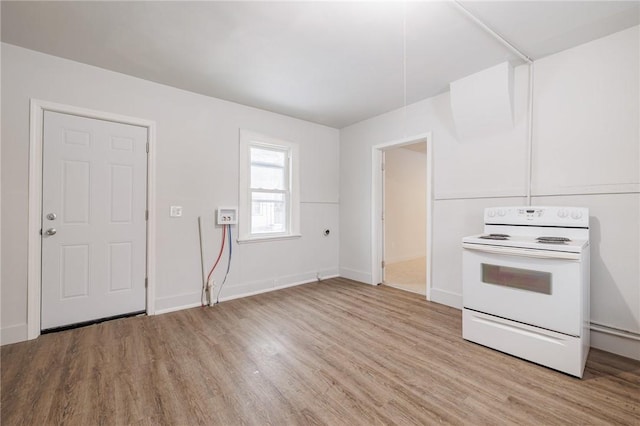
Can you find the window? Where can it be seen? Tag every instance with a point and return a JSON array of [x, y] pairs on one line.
[[269, 206]]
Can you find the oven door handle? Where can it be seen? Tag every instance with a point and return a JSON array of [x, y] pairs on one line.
[[514, 251]]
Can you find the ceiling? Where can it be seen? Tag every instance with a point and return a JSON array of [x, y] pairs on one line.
[[333, 63]]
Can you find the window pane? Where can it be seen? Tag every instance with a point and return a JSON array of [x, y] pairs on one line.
[[269, 213], [268, 156], [524, 279], [267, 177]]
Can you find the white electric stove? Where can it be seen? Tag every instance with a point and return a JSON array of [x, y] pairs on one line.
[[526, 285]]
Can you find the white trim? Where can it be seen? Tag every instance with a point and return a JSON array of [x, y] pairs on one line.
[[184, 301], [377, 248], [270, 289], [492, 32], [13, 334], [319, 202], [613, 188], [446, 297], [152, 219], [355, 275], [177, 302], [613, 341], [179, 308], [529, 176], [614, 331], [247, 139], [272, 238], [254, 293], [328, 276], [34, 242], [466, 195]]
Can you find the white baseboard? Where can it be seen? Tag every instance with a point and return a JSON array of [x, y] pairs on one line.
[[446, 298], [230, 292], [258, 287], [352, 274], [329, 273], [13, 334], [615, 188], [515, 192], [177, 308], [177, 303], [241, 291], [615, 342]]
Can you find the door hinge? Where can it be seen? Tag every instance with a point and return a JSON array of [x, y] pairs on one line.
[[147, 147], [382, 263], [146, 215], [146, 282], [382, 166]]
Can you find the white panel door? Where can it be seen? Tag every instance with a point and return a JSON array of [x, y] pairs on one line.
[[93, 219]]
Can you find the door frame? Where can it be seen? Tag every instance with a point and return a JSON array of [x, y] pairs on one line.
[[377, 206], [34, 251]]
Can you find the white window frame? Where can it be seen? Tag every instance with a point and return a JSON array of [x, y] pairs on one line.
[[249, 139]]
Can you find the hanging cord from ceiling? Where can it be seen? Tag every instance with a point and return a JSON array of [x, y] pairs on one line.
[[529, 61]]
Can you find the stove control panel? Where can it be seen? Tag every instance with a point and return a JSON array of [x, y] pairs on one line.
[[574, 217]]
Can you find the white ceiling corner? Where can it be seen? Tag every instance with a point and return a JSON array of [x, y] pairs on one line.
[[333, 63]]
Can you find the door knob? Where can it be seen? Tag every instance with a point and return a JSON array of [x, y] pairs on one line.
[[51, 231], [51, 216]]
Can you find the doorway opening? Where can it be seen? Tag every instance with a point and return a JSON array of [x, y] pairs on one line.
[[402, 204], [405, 217]]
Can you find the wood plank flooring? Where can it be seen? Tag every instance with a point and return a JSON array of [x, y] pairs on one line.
[[334, 352], [409, 275]]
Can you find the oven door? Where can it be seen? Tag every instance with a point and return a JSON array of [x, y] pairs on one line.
[[536, 287]]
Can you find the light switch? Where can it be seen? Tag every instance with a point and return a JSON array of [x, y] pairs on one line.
[[176, 211]]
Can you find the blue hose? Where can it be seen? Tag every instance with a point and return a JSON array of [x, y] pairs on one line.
[[228, 263]]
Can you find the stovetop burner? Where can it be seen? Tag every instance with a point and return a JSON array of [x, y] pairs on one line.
[[553, 240], [495, 237]]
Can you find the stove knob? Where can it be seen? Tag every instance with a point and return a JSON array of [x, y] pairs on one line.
[[501, 212], [491, 213], [576, 214], [562, 213]]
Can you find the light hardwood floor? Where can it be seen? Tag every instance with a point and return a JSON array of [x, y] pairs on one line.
[[335, 352], [410, 275]]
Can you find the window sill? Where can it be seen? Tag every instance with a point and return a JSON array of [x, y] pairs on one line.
[[269, 238]]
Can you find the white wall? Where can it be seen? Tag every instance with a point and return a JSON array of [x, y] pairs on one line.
[[197, 168], [585, 152], [461, 171], [405, 199]]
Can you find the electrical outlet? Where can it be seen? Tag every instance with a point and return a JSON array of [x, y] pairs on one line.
[[176, 211]]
